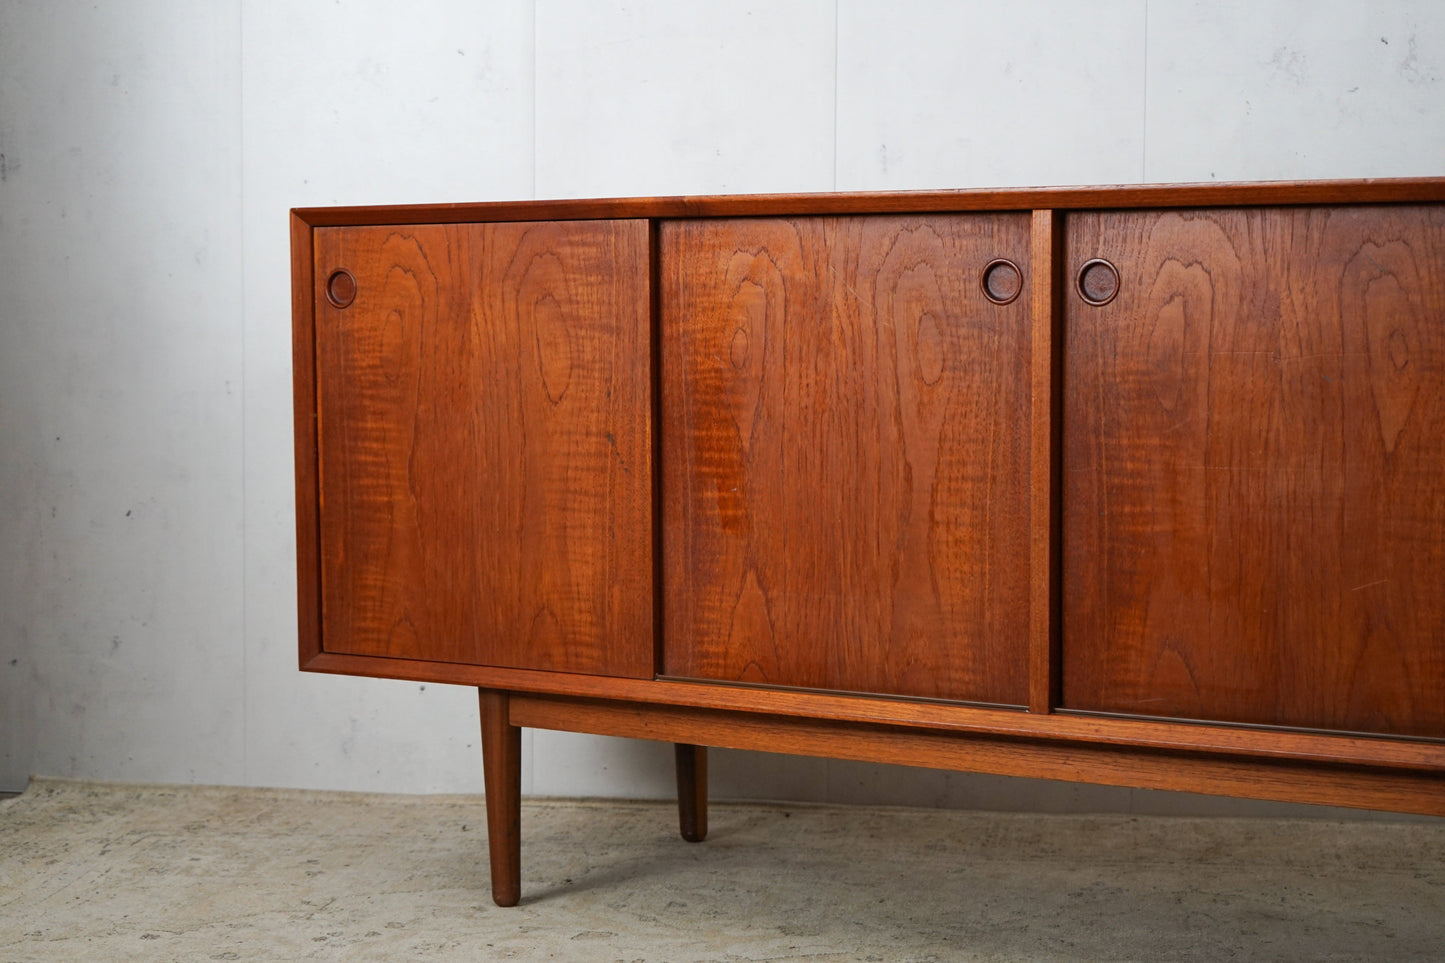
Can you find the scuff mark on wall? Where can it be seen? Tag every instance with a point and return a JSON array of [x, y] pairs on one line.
[[1292, 64], [1412, 70]]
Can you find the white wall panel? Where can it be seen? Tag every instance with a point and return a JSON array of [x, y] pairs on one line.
[[667, 97], [120, 392], [356, 103], [977, 94], [572, 764], [1291, 89]]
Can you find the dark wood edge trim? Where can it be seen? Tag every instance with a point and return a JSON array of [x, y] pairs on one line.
[[654, 414], [1134, 767], [1045, 360], [1364, 751], [307, 454], [1368, 191]]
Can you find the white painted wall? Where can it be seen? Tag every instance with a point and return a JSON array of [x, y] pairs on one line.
[[149, 152]]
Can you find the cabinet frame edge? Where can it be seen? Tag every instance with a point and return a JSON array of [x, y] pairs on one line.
[[1401, 190], [1046, 272], [307, 438], [1136, 767], [1203, 738]]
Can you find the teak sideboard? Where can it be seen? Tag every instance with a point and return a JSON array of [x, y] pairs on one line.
[[1142, 486]]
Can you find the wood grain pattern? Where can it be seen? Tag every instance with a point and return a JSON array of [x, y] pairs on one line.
[[1251, 495], [308, 490], [1046, 372], [1254, 505], [485, 452], [845, 460], [1327, 785], [1369, 191]]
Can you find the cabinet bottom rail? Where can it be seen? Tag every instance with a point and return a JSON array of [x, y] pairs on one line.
[[505, 714]]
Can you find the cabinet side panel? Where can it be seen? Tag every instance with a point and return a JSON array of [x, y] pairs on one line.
[[845, 455], [1254, 501], [485, 445], [303, 395]]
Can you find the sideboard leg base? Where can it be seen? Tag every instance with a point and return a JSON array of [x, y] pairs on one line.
[[502, 771], [692, 791]]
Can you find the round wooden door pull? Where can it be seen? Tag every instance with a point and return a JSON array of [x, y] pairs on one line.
[[341, 288], [1098, 281], [1002, 281]]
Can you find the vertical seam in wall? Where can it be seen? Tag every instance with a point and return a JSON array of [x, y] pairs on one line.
[[241, 301], [534, 99], [835, 94], [1144, 120]]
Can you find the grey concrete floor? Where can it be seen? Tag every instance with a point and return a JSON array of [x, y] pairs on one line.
[[118, 872]]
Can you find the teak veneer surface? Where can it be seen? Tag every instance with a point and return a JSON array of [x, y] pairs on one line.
[[1120, 765], [485, 448], [845, 460], [1254, 499], [1381, 191]]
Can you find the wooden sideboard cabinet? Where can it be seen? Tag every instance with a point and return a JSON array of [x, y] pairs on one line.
[[1142, 486]]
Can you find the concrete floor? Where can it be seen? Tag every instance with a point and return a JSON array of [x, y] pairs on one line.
[[117, 872]]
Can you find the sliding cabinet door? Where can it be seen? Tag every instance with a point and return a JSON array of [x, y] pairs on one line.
[[485, 452], [1254, 476], [845, 453]]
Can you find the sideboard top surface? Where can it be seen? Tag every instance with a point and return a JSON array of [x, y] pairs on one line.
[[1368, 191]]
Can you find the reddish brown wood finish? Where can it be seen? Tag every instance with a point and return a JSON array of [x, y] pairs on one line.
[[1046, 367], [308, 480], [502, 774], [964, 721], [1254, 506], [1246, 447], [691, 764], [845, 461], [1379, 191], [1291, 781], [485, 456]]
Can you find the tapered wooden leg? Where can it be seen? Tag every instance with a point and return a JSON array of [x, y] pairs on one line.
[[502, 770], [692, 791]]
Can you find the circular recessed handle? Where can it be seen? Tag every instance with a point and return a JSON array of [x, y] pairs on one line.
[[1098, 281], [341, 288], [1002, 281]]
